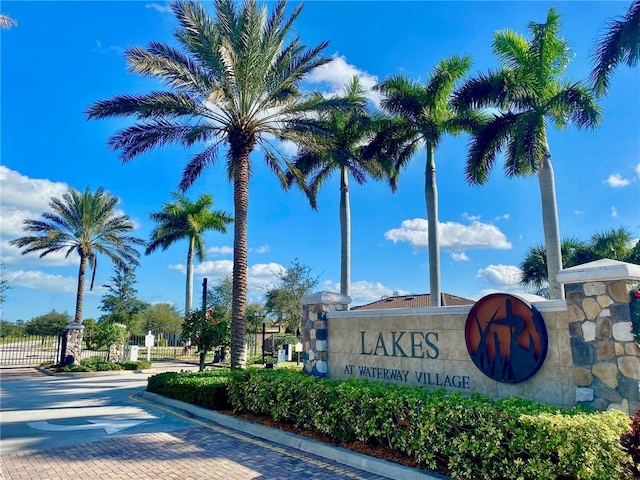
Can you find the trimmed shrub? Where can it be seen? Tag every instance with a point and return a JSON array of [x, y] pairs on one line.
[[470, 437]]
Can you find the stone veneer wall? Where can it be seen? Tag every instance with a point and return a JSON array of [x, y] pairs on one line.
[[73, 334], [605, 355], [313, 331]]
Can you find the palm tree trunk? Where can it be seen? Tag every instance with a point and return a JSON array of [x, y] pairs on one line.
[[240, 149], [82, 271], [550, 225], [431, 197], [188, 301], [345, 234]]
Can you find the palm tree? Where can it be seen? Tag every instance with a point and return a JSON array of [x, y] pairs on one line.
[[421, 115], [86, 223], [528, 91], [615, 243], [619, 44], [235, 84], [344, 134], [185, 219], [7, 22], [534, 266]]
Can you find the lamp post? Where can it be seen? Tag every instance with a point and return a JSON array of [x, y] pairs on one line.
[[264, 332]]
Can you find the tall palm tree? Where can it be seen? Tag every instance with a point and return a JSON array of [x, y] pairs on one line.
[[421, 116], [86, 223], [529, 91], [344, 134], [7, 22], [185, 219], [233, 83], [619, 44]]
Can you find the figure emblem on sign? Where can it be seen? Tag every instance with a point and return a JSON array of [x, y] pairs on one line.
[[506, 338]]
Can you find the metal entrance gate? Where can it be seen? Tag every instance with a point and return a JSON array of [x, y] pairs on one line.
[[29, 350]]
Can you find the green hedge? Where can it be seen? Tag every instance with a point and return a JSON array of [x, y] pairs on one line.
[[471, 437], [96, 364], [207, 389]]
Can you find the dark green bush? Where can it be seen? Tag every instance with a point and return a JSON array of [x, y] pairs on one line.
[[471, 437], [207, 389], [96, 364]]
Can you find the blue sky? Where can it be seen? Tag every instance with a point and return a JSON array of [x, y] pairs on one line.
[[65, 55]]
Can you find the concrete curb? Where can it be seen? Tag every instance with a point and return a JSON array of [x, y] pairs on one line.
[[337, 454]]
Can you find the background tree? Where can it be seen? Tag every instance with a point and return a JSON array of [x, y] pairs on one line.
[[90, 334], [616, 244], [4, 284], [220, 295], [619, 44], [161, 317], [207, 330], [421, 117], [235, 84], [529, 91], [9, 329], [52, 323], [283, 300], [120, 303], [182, 219], [343, 136], [85, 223]]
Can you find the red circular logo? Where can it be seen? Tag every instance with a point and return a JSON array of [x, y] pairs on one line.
[[506, 338]]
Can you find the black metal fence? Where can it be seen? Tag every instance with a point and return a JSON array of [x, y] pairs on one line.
[[29, 350]]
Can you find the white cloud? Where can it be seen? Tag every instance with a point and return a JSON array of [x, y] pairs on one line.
[[260, 275], [224, 250], [506, 216], [159, 8], [578, 212], [37, 280], [23, 193], [338, 73], [363, 292], [637, 170], [453, 236], [459, 257], [616, 181], [262, 249], [614, 212], [503, 277]]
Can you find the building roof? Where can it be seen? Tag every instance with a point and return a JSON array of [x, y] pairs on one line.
[[412, 301]]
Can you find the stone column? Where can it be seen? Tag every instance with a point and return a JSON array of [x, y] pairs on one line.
[[72, 340], [314, 329], [116, 349], [605, 356]]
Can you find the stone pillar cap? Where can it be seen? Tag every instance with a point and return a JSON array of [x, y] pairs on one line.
[[326, 298], [598, 271], [74, 325]]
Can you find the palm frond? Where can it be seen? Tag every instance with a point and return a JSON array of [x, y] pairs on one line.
[[197, 164], [575, 104], [155, 104], [485, 145], [619, 44]]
